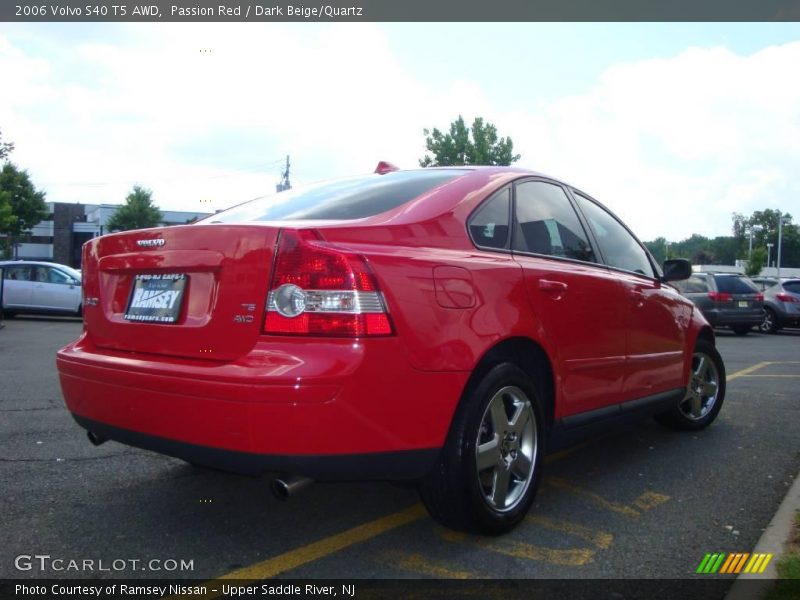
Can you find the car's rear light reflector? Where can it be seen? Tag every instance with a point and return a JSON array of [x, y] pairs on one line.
[[786, 298], [720, 296], [320, 290]]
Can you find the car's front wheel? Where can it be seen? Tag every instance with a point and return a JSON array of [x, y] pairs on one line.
[[489, 469], [705, 391]]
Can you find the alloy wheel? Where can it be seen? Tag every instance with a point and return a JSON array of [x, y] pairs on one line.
[[703, 388], [506, 449]]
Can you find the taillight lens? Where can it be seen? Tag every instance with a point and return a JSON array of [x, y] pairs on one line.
[[759, 297], [317, 290], [787, 298], [719, 296]]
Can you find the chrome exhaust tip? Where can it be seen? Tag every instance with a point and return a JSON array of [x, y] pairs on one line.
[[95, 439], [283, 487]]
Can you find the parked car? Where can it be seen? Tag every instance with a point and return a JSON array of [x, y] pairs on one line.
[[444, 326], [725, 299], [40, 288], [781, 306]]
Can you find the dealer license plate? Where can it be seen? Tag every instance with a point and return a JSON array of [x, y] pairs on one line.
[[156, 297]]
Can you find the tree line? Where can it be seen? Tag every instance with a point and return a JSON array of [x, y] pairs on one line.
[[22, 206]]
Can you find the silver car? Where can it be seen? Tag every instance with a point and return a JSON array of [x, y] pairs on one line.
[[40, 287], [781, 306]]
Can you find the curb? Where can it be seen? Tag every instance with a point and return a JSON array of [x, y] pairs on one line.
[[755, 585]]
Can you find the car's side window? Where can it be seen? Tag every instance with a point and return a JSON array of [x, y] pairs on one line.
[[696, 284], [547, 223], [620, 249], [18, 273], [56, 276], [489, 226]]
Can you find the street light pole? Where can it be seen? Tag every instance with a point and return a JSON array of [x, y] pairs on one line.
[[780, 240], [769, 253], [750, 250]]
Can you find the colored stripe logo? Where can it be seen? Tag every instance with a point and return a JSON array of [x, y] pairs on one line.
[[734, 563]]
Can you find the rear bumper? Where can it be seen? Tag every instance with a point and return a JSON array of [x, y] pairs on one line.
[[721, 318], [328, 410], [402, 465]]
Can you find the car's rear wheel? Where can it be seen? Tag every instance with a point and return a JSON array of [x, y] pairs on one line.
[[489, 469], [741, 329], [769, 324], [705, 391]]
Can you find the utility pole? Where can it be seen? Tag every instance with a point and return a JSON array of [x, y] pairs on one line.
[[769, 253], [780, 239], [284, 182]]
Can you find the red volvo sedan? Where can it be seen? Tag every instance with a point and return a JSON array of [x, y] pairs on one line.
[[444, 326]]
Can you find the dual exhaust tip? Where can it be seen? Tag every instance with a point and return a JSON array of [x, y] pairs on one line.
[[282, 487]]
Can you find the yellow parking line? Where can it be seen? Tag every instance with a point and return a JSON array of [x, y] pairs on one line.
[[748, 370], [572, 557], [420, 564], [622, 509], [649, 500], [601, 539]]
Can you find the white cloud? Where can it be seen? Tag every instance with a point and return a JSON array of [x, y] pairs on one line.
[[672, 145]]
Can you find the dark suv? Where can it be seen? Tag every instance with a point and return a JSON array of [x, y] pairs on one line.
[[725, 299]]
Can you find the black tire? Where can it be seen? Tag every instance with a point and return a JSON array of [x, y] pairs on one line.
[[770, 322], [682, 416], [455, 491], [741, 329]]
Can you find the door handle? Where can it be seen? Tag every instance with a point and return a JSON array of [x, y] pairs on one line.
[[557, 288]]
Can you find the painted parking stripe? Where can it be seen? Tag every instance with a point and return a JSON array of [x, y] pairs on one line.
[[574, 557], [748, 370], [601, 539], [566, 486], [422, 565]]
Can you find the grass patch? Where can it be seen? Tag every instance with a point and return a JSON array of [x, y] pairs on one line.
[[788, 567]]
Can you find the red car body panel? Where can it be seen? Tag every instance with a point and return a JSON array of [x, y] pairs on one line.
[[215, 380]]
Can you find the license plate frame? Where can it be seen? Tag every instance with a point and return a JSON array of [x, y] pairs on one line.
[[744, 304], [156, 298]]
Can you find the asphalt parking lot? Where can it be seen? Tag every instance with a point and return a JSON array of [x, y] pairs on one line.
[[644, 503]]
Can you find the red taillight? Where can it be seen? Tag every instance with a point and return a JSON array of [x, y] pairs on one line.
[[317, 290], [759, 297], [786, 298], [719, 296]]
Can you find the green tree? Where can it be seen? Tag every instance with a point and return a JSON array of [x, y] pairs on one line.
[[765, 230], [479, 145], [27, 205], [5, 147], [758, 260], [138, 212]]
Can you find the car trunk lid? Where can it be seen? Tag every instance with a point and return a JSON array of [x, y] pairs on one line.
[[195, 291]]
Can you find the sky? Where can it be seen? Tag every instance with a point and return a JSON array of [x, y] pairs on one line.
[[672, 126]]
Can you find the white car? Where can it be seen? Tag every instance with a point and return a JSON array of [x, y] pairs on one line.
[[40, 287]]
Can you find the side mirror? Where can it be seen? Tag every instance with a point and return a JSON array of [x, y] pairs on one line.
[[677, 269]]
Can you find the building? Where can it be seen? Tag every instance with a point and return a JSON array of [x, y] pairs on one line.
[[68, 226]]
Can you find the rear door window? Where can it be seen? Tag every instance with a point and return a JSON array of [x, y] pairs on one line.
[[18, 273], [547, 223]]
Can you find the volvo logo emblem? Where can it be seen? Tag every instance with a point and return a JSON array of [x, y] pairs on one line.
[[150, 243]]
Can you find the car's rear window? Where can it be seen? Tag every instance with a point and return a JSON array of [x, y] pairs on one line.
[[352, 198], [732, 284], [792, 286]]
